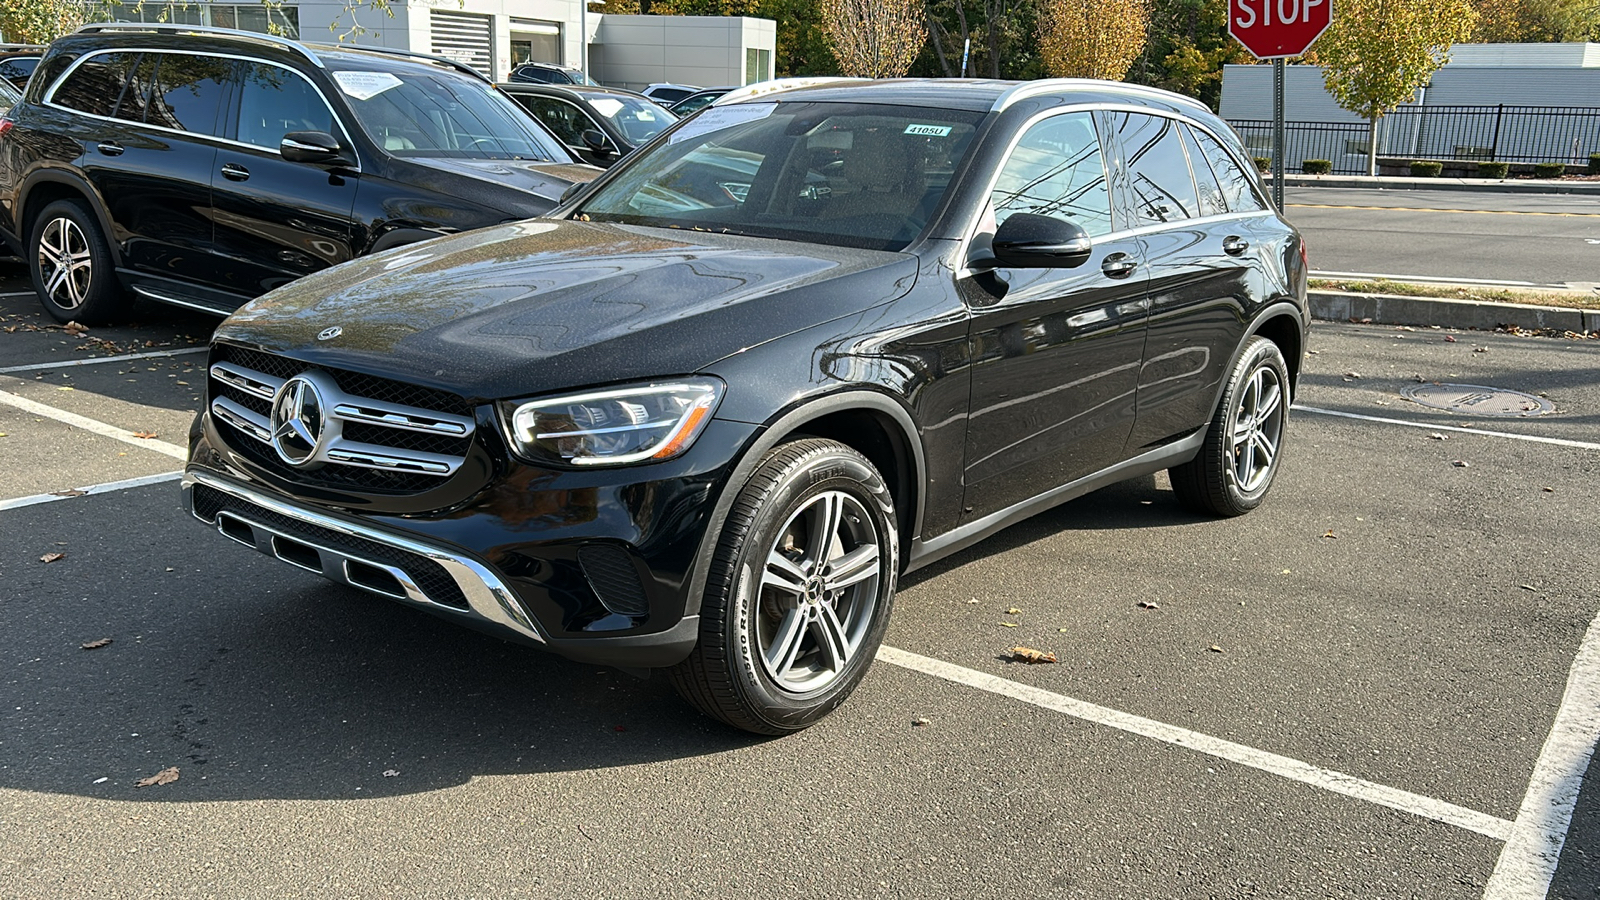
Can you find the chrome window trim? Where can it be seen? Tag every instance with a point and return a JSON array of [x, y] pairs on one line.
[[212, 30], [50, 96], [973, 228], [1045, 86]]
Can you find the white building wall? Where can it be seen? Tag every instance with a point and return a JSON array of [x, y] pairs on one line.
[[708, 51], [409, 29]]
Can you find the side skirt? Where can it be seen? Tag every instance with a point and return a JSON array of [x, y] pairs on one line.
[[924, 552]]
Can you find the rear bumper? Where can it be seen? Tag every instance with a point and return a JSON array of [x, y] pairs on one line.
[[435, 577]]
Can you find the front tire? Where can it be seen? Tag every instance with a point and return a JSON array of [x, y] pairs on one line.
[[799, 593], [71, 265], [1235, 466]]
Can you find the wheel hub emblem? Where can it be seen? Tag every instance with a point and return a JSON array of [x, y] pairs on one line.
[[299, 426]]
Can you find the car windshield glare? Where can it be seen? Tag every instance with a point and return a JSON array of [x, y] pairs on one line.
[[420, 114], [638, 119], [850, 174]]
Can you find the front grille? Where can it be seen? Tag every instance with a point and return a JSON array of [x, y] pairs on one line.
[[391, 438], [430, 577]]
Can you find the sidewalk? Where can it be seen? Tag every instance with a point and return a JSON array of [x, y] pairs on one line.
[[1391, 309], [1408, 183]]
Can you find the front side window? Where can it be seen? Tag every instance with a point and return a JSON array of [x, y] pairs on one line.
[[1158, 168], [1057, 170], [439, 114], [96, 84], [850, 174], [274, 101], [564, 120], [187, 92], [639, 120]]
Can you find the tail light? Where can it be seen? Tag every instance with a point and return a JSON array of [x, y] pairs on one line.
[[6, 125]]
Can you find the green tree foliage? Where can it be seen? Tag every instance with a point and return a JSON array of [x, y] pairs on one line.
[[874, 38], [1092, 38], [38, 21], [1536, 21], [1002, 35], [1187, 46], [1378, 52]]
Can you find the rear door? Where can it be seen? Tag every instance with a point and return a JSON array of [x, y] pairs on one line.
[[277, 220], [1056, 351]]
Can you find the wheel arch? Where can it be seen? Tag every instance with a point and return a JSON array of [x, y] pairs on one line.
[[1282, 325], [46, 187]]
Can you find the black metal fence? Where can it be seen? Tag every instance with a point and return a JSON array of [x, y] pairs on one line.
[[1525, 134]]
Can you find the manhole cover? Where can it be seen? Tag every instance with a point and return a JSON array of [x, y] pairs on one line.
[[1477, 399]]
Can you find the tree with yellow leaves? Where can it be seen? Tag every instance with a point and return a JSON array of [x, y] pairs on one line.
[[1092, 38], [1378, 52], [874, 38]]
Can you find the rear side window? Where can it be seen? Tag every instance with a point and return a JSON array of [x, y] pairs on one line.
[[275, 101], [1233, 181], [94, 86], [565, 120], [1159, 171], [1057, 170], [1211, 202], [188, 92]]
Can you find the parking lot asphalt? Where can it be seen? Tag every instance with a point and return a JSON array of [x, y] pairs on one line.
[[1355, 691]]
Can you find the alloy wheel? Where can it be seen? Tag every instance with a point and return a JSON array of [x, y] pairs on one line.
[[1256, 429], [65, 265]]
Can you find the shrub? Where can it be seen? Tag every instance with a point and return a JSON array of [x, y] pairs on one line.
[[1594, 164], [1549, 170], [1264, 163], [1422, 168], [1316, 166], [1494, 169]]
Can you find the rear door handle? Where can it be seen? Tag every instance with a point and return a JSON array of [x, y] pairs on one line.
[[235, 172], [1233, 245], [1119, 265], [109, 148]]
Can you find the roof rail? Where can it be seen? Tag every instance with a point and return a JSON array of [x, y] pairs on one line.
[[410, 54], [776, 85], [234, 33], [1028, 89]]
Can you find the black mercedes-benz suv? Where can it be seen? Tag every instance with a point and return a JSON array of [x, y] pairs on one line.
[[204, 167], [705, 416]]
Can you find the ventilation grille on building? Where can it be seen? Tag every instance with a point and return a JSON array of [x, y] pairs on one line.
[[463, 37]]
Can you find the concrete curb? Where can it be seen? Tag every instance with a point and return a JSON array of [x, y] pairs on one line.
[[1474, 185], [1389, 309]]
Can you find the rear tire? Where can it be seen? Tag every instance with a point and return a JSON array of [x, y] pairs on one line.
[[799, 593], [1235, 466], [71, 265]]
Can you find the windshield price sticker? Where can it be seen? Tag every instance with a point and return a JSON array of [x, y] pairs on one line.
[[929, 130], [365, 85]]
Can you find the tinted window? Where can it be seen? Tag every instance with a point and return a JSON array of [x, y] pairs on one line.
[[1211, 203], [1233, 181], [94, 86], [638, 119], [1057, 170], [136, 96], [17, 69], [438, 114], [852, 174], [187, 92], [275, 101], [1159, 171], [564, 119]]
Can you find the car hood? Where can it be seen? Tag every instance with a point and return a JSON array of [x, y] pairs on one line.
[[546, 305], [543, 179]]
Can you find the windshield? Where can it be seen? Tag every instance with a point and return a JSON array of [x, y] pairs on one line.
[[424, 114], [638, 119], [852, 174]]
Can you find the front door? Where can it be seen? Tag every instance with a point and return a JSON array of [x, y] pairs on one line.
[[1056, 351]]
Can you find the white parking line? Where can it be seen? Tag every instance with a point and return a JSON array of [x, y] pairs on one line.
[[89, 490], [87, 424], [1528, 861], [1292, 769], [10, 294], [66, 364], [1559, 442]]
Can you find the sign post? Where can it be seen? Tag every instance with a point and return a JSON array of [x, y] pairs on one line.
[[1275, 30]]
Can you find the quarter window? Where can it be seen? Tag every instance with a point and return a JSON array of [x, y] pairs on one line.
[[1233, 181], [94, 86], [274, 101], [1162, 185], [1057, 170], [187, 92], [1211, 202]]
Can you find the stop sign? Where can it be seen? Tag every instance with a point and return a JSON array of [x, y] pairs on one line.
[[1271, 29]]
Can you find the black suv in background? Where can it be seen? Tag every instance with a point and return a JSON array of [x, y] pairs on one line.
[[204, 167], [702, 417], [599, 125]]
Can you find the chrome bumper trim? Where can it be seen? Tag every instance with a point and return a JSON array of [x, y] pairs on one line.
[[488, 598]]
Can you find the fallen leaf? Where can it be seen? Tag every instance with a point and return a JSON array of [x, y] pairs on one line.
[[1436, 436], [1419, 379], [390, 773], [973, 600], [1352, 374], [96, 645], [74, 328], [165, 776], [1460, 463], [145, 435], [70, 492], [1527, 587], [63, 388], [1480, 349], [1329, 534], [1548, 490], [52, 557], [1145, 604], [1012, 611], [101, 780], [1449, 339], [1031, 656], [1008, 624], [1214, 649], [918, 722]]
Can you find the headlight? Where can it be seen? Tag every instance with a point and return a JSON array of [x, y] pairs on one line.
[[639, 423]]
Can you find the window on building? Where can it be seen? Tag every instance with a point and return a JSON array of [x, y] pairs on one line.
[[280, 20], [757, 65]]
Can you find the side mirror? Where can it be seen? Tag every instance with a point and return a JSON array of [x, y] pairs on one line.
[[573, 190], [317, 148], [1030, 241], [595, 141]]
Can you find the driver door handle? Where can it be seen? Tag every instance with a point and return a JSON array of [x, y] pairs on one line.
[[1233, 245], [235, 172], [1119, 265]]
